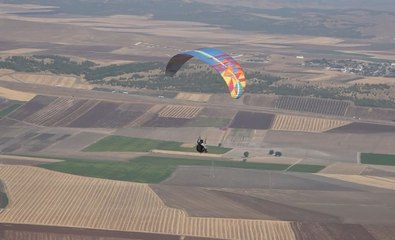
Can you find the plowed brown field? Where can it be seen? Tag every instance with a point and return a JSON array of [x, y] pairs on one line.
[[43, 197]]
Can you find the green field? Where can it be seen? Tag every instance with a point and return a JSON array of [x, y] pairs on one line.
[[9, 109], [3, 200], [146, 169], [378, 159], [127, 144], [305, 168]]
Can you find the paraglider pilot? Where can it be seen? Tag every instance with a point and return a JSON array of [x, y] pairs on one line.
[[201, 146]]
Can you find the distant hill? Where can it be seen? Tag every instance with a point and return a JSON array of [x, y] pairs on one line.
[[302, 17]]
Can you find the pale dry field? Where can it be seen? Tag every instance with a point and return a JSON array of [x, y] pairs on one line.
[[196, 97], [16, 95], [44, 197], [51, 80], [344, 168], [374, 80], [174, 111], [5, 71], [144, 25], [373, 181], [305, 124], [21, 51]]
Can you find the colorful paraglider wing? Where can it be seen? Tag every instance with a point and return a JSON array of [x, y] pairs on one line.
[[230, 69]]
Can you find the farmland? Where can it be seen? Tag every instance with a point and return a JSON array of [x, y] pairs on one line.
[[72, 201], [378, 159], [16, 95], [36, 104], [107, 134], [251, 120], [305, 168], [155, 169], [52, 80], [127, 144], [179, 111], [364, 128], [81, 113], [9, 108], [305, 124], [313, 105]]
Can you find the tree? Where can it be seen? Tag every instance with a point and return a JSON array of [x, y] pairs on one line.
[[246, 154], [271, 152]]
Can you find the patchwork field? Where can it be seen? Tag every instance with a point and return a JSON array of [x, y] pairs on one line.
[[313, 105], [36, 104], [72, 201], [30, 141], [305, 124], [80, 113]]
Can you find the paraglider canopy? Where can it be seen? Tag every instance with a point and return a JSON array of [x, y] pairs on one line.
[[230, 69]]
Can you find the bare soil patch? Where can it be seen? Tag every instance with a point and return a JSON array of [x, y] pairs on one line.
[[218, 113], [371, 113], [216, 203], [259, 100], [344, 168], [92, 117], [381, 232], [330, 231], [251, 120]]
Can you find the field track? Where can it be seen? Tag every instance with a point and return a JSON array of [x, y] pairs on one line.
[[305, 124], [44, 197]]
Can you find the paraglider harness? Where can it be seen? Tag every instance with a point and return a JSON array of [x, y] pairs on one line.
[[201, 146]]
